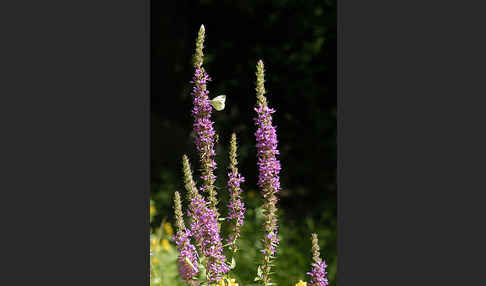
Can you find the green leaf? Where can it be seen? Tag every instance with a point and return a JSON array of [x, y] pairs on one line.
[[189, 262]]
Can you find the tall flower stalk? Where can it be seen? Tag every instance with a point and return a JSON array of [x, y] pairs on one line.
[[269, 169], [203, 126], [204, 228], [187, 260], [236, 207], [318, 272]]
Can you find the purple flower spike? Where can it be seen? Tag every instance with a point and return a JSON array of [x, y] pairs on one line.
[[187, 260], [318, 272], [204, 228], [203, 126], [269, 169], [236, 207]]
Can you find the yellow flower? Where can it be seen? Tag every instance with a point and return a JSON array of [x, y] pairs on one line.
[[165, 244], [154, 244], [155, 260], [301, 283], [227, 282], [152, 210], [168, 229]]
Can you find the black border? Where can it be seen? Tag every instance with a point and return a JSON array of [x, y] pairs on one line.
[[75, 142], [410, 146]]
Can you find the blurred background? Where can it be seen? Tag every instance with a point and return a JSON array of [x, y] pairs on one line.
[[297, 42]]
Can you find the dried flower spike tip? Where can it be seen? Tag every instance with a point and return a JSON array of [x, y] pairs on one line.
[[189, 183], [198, 57], [260, 86]]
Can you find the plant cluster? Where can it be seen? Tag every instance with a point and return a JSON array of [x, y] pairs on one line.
[[200, 244]]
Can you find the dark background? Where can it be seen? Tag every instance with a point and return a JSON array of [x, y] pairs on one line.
[[297, 42]]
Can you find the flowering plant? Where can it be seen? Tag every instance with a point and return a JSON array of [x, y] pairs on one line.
[[201, 260]]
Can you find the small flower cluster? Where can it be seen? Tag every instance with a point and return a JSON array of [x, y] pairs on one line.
[[301, 283], [228, 282], [236, 206]]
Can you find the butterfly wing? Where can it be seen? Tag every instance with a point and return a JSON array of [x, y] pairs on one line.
[[218, 102]]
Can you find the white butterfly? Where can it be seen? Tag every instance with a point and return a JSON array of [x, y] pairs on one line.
[[218, 102]]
